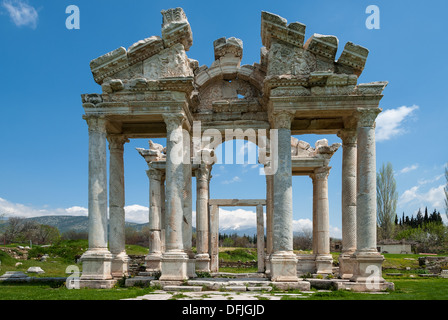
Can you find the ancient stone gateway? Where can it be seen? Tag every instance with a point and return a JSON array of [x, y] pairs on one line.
[[154, 90]]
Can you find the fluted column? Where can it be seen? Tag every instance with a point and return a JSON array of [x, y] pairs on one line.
[[324, 259], [174, 259], [202, 223], [154, 257], [97, 259], [283, 260], [116, 206], [366, 254], [349, 155]]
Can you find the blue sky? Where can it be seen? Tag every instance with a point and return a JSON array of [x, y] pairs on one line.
[[45, 69]]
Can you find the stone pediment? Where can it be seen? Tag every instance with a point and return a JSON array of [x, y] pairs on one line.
[[152, 59]]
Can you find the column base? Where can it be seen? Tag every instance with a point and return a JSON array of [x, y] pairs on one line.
[[346, 265], [284, 267], [324, 264], [120, 265], [202, 262], [306, 263], [267, 263], [368, 270], [174, 266], [153, 262], [96, 264]]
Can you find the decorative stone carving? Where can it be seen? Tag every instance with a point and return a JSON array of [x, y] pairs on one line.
[[353, 56], [303, 149], [144, 49], [282, 119], [156, 152], [93, 98], [322, 45], [276, 27], [366, 116], [117, 141], [286, 59], [228, 47], [229, 96], [168, 63], [176, 29], [348, 136]]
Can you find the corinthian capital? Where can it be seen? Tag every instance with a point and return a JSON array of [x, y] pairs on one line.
[[282, 119], [95, 123], [116, 141], [154, 174], [203, 172], [366, 116], [348, 136], [173, 120], [321, 173]]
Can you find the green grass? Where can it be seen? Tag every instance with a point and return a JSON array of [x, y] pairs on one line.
[[238, 254], [405, 289], [48, 292]]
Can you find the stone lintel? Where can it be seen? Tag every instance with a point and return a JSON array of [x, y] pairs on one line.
[[237, 202]]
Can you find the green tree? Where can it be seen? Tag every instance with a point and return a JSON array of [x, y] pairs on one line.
[[387, 197]]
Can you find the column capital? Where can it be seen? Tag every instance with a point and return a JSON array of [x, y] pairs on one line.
[[203, 172], [154, 174], [282, 119], [348, 136], [366, 116], [321, 173], [96, 123], [116, 141], [173, 120]]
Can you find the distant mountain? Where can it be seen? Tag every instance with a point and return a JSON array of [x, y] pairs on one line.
[[76, 223]]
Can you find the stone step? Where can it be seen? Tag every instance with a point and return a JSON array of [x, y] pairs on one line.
[[182, 288]]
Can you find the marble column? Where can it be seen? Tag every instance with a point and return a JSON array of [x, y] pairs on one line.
[[187, 232], [324, 260], [174, 259], [120, 261], [214, 238], [349, 154], [283, 259], [368, 260], [154, 258], [96, 261], [260, 238], [269, 218], [202, 217]]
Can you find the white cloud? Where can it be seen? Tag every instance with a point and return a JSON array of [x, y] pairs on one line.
[[426, 181], [21, 13], [238, 219], [234, 179], [408, 169], [388, 123], [25, 211], [136, 213], [433, 198]]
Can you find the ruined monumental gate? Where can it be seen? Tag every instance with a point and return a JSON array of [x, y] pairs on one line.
[[153, 90]]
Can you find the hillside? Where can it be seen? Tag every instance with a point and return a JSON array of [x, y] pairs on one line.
[[76, 223]]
